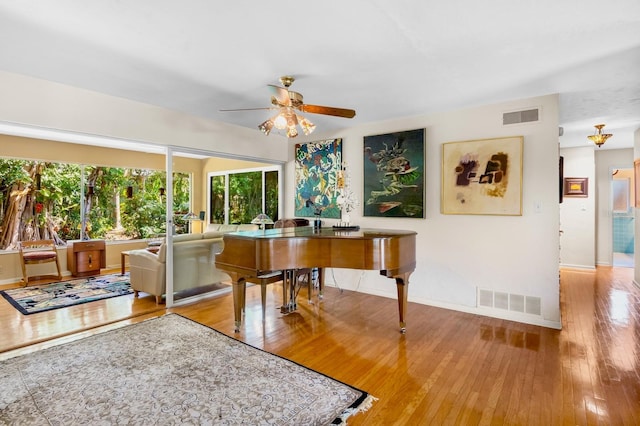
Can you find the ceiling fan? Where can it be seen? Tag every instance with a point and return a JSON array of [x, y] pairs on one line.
[[287, 102]]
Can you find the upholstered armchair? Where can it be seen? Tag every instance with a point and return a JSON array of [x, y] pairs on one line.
[[193, 262], [193, 265], [147, 272]]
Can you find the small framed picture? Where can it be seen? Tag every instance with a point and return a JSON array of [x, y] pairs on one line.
[[576, 187]]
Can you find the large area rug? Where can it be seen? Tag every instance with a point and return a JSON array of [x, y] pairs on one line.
[[32, 299], [165, 371]]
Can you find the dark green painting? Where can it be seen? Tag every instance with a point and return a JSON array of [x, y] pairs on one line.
[[317, 166], [394, 174]]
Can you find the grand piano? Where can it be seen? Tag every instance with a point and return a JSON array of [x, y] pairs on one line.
[[251, 254]]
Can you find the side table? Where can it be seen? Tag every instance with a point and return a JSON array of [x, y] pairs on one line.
[[86, 257], [123, 255]]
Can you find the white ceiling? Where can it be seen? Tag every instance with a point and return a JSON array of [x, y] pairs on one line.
[[385, 59]]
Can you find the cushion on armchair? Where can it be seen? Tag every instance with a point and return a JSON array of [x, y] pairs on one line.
[[222, 227]]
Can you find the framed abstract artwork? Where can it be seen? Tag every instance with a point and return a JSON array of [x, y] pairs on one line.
[[394, 174], [482, 177], [317, 165]]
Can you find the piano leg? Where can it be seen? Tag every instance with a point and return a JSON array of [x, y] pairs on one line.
[[402, 283], [293, 290], [291, 283], [285, 292], [239, 288], [288, 291], [320, 283]]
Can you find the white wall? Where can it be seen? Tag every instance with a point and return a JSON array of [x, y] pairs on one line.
[[458, 254], [35, 102], [578, 214]]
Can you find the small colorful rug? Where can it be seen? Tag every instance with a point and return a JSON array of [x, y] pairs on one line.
[[33, 299]]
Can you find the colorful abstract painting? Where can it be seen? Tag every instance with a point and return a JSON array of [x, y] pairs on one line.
[[482, 177], [317, 166], [394, 174]]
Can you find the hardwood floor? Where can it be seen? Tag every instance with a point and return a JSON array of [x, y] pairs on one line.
[[450, 367], [22, 330]]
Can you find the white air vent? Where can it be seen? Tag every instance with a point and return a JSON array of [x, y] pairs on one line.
[[501, 300], [533, 305], [486, 298], [516, 302], [526, 116], [510, 302]]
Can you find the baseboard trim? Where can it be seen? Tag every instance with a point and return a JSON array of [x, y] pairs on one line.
[[569, 265], [485, 312]]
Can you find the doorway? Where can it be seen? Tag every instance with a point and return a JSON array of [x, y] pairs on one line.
[[622, 190]]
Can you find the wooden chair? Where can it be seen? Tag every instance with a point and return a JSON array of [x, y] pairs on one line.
[[263, 281], [35, 252], [291, 281]]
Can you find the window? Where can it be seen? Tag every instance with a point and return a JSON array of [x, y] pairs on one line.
[[54, 200], [238, 196]]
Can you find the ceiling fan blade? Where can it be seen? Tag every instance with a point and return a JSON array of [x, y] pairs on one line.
[[338, 112], [281, 94], [244, 109]]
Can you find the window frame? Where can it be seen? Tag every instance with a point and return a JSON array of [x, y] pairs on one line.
[[84, 171], [227, 173]]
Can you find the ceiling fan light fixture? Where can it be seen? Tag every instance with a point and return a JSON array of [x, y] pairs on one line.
[[266, 126], [287, 103], [307, 126], [292, 121], [292, 132], [280, 121], [599, 138]]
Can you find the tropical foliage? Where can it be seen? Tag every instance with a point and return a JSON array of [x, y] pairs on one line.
[[250, 193], [45, 200]]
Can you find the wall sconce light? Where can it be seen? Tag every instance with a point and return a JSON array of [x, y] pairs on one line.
[[599, 138]]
